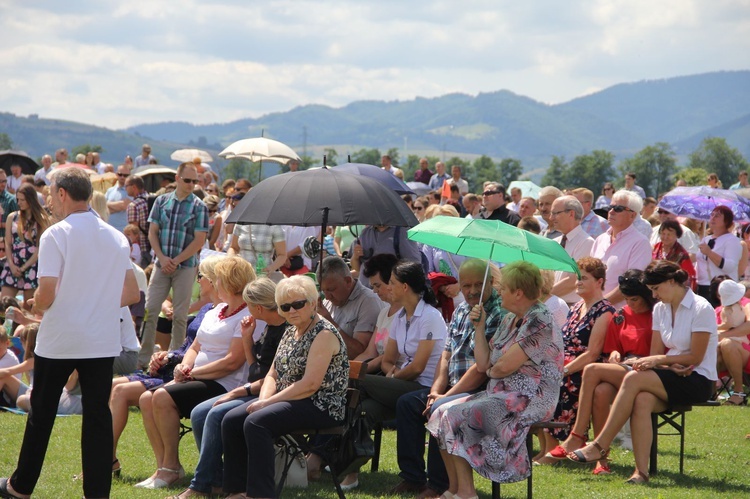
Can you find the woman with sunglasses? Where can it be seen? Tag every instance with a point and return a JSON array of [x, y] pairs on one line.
[[583, 337], [213, 365], [605, 199], [214, 220], [684, 326], [127, 390], [720, 253], [207, 416], [305, 389], [628, 338]]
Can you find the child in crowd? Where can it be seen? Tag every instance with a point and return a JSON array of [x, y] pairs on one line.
[[11, 385], [133, 233], [329, 245], [732, 314]]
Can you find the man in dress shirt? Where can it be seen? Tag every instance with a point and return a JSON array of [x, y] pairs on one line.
[[622, 247], [742, 182], [145, 157], [547, 196], [423, 174], [515, 199], [436, 181], [567, 213], [41, 173], [527, 208], [593, 224], [630, 185]]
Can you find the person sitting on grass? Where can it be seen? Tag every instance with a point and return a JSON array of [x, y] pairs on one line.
[[685, 324], [11, 385]]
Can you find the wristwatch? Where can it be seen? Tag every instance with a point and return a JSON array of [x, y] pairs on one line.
[[247, 387], [565, 371]]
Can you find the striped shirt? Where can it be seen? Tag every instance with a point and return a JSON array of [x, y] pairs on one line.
[[460, 340], [138, 215], [178, 222]]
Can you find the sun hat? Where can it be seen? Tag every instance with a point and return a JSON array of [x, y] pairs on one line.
[[730, 292]]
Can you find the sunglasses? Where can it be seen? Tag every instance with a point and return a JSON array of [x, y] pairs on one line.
[[200, 276], [618, 208], [190, 180], [296, 305], [662, 212], [124, 175], [238, 197], [419, 208], [490, 193]]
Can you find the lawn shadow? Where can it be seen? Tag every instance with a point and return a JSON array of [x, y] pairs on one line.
[[711, 486]]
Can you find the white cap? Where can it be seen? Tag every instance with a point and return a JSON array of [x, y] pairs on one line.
[[730, 292]]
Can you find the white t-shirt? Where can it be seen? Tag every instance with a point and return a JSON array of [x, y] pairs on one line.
[[559, 310], [89, 258], [694, 314], [215, 338], [14, 183], [426, 324], [128, 338], [9, 360]]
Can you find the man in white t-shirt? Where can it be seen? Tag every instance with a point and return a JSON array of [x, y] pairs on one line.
[[80, 331]]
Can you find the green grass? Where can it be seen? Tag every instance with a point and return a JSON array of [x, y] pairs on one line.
[[717, 460]]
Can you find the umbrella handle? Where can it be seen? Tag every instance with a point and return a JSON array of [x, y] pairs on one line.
[[484, 284]]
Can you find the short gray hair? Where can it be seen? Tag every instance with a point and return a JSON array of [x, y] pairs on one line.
[[74, 180], [634, 201], [334, 266], [261, 291], [572, 203], [550, 190]]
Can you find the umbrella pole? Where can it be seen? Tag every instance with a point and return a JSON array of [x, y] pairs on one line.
[[322, 235], [484, 283]]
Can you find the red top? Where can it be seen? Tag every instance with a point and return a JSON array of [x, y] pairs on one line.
[[629, 333]]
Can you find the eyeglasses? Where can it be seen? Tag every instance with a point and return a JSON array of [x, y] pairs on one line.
[[618, 208], [609, 189], [189, 180], [490, 193], [662, 212], [558, 212], [200, 276], [4, 181], [123, 175], [419, 208], [296, 305]]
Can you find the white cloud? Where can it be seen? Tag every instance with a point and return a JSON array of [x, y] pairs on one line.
[[117, 64]]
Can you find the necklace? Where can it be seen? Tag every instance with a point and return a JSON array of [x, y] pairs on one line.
[[223, 315]]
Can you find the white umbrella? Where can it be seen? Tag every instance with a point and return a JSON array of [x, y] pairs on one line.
[[188, 155], [260, 149], [528, 188]]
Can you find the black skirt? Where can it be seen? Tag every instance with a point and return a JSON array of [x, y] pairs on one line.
[[685, 390]]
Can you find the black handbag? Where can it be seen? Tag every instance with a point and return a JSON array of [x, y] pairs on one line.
[[355, 448]]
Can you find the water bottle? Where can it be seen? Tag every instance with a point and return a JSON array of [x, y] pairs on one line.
[[260, 264]]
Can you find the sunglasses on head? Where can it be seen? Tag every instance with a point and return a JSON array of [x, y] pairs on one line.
[[296, 305], [190, 180], [618, 208]]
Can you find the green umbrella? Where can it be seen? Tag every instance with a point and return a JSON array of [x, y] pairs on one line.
[[492, 240]]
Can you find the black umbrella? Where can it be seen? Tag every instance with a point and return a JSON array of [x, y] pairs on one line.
[[322, 197], [386, 178], [10, 157]]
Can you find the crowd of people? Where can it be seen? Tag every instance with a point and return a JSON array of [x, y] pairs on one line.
[[191, 317]]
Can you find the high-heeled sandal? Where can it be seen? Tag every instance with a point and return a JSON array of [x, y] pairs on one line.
[[578, 457], [559, 453], [638, 478], [115, 471]]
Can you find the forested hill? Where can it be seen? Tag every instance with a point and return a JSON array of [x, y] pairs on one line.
[[622, 119]]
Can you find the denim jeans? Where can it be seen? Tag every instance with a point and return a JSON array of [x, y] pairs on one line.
[[206, 422]]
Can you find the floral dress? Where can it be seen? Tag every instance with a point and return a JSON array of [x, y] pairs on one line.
[[488, 429], [576, 334], [21, 251], [291, 362]]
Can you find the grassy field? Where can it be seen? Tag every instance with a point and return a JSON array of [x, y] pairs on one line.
[[717, 464]]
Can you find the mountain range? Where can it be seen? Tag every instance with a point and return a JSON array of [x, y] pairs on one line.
[[622, 119]]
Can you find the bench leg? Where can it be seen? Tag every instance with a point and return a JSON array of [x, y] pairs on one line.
[[495, 490], [529, 451], [654, 444], [682, 440], [377, 439]]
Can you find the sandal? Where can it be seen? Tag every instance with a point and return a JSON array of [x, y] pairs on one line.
[[4, 492], [602, 469], [189, 493], [737, 398], [638, 478], [578, 457], [559, 453]]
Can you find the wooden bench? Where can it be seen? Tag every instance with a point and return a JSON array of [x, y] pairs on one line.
[[673, 417], [529, 448]]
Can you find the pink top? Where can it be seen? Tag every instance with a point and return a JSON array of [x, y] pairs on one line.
[[629, 250]]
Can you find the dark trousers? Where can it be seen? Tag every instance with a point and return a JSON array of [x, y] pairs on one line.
[[50, 376], [249, 454], [410, 431]]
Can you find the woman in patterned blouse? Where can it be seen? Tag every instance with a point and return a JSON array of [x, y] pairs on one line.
[[305, 389]]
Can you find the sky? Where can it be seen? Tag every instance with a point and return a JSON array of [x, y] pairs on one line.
[[122, 63]]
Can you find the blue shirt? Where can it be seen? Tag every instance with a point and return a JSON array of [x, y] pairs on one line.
[[178, 222]]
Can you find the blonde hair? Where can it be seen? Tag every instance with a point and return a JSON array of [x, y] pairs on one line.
[[548, 280], [448, 210], [234, 273], [261, 291], [298, 284], [207, 266], [131, 229], [99, 205], [431, 211]]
